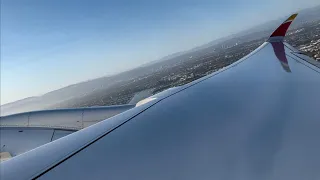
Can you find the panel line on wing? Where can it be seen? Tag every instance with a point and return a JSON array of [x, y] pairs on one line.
[[302, 62]]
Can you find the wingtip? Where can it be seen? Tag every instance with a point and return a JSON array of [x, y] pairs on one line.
[[281, 31], [292, 17]]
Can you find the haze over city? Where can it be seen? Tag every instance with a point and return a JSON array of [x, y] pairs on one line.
[[50, 45]]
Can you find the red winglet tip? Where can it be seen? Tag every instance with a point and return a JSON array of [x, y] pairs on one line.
[[281, 31]]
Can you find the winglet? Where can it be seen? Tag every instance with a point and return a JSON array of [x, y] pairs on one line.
[[281, 31]]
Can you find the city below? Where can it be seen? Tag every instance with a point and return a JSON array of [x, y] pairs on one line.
[[194, 65], [134, 85]]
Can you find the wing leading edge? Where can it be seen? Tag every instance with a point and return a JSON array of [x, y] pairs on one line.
[[247, 121]]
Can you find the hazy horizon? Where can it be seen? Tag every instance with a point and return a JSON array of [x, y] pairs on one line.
[[46, 46]]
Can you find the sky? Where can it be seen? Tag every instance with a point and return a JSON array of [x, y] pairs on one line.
[[50, 44]]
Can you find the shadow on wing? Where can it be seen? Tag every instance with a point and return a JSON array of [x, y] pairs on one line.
[[278, 48]]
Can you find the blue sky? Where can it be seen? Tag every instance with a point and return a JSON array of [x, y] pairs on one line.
[[49, 44]]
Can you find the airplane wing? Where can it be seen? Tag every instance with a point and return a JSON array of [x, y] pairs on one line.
[[258, 118]]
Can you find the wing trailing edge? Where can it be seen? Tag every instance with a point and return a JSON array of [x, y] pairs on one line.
[[279, 34]]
